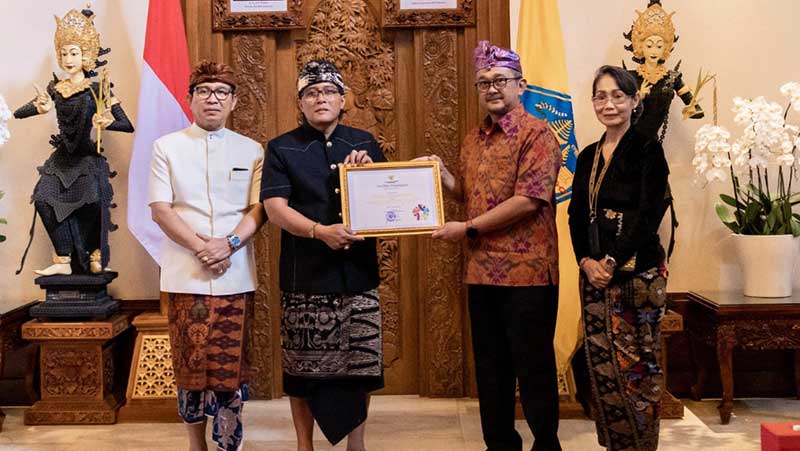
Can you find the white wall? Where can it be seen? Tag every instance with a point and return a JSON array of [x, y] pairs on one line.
[[26, 43], [751, 46]]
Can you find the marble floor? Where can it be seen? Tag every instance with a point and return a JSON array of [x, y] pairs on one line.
[[405, 423]]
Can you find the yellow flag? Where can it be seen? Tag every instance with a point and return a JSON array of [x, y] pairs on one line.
[[541, 48]]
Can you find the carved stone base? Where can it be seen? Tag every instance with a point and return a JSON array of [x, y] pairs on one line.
[[76, 371], [74, 297], [151, 396]]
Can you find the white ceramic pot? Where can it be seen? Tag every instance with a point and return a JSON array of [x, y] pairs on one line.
[[767, 263]]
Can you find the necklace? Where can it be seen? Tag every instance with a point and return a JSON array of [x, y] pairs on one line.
[[595, 180]]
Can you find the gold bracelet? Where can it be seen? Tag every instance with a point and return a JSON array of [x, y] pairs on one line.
[[311, 232]]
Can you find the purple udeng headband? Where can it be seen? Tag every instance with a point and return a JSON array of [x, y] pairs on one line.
[[487, 56]]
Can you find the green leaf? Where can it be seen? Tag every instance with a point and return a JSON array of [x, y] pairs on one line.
[[795, 228], [772, 220], [787, 211], [2, 238], [2, 194], [731, 201], [724, 214], [751, 212], [3, 221]]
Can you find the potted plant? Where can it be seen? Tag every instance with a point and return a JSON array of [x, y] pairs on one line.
[[761, 164]]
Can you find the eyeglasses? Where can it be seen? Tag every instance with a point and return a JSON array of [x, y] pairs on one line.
[[617, 97], [498, 83], [313, 94], [205, 92]]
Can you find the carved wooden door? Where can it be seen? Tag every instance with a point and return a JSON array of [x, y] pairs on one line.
[[412, 89]]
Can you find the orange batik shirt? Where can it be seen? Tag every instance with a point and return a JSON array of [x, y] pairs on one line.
[[518, 155]]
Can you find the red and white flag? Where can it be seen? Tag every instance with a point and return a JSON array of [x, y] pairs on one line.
[[163, 109]]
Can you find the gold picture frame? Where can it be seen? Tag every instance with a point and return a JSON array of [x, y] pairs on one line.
[[224, 19], [406, 190], [394, 15]]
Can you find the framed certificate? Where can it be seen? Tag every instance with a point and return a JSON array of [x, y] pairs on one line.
[[389, 199]]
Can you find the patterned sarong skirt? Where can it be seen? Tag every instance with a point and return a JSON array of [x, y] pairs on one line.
[[207, 334], [332, 355], [622, 325]]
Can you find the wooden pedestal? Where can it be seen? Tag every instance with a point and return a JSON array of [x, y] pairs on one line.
[[671, 407], [76, 371], [151, 396]]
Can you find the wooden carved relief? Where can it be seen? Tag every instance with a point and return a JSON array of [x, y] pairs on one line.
[[108, 370], [248, 59], [442, 307], [347, 33], [775, 333], [71, 371], [105, 330], [70, 417], [671, 322], [155, 377]]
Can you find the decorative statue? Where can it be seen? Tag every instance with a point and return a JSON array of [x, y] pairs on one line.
[[652, 39], [73, 194]]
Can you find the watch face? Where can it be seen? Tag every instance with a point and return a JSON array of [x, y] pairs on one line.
[[234, 241], [472, 232]]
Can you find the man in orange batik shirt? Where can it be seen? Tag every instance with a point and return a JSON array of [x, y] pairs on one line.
[[509, 166]]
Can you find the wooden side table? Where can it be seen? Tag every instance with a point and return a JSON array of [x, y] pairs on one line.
[[730, 320], [76, 371]]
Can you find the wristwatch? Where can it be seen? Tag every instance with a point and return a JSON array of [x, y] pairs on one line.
[[472, 232], [611, 260], [233, 242]]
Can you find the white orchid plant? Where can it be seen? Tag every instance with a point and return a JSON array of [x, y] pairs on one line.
[[762, 163]]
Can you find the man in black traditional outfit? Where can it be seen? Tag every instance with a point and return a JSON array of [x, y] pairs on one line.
[[331, 319]]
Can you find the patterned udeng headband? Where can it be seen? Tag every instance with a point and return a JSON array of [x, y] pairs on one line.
[[487, 56], [320, 71]]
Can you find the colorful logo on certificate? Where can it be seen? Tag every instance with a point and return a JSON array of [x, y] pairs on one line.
[[421, 212]]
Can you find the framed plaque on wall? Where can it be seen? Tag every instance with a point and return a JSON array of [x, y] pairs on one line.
[[237, 15], [428, 13]]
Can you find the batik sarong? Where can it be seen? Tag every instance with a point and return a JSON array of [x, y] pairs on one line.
[[622, 325], [207, 338], [332, 355], [224, 407], [207, 335]]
